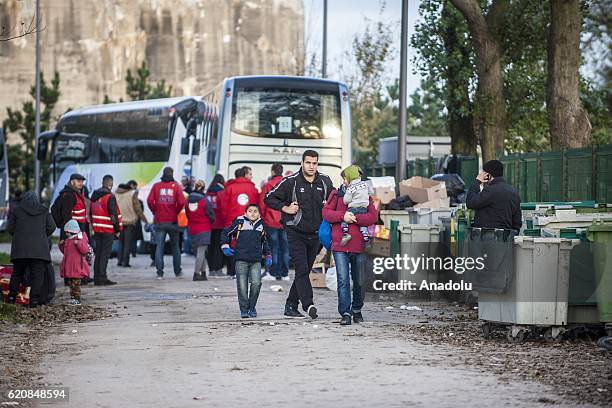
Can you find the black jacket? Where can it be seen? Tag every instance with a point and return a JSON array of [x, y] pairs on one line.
[[498, 205], [250, 239], [30, 224], [111, 204], [311, 198], [68, 199]]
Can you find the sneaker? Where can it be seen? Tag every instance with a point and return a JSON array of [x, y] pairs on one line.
[[267, 277], [345, 239], [292, 313], [75, 302], [159, 277], [178, 275], [244, 315], [357, 317], [286, 278], [312, 312], [346, 320], [199, 277], [253, 312]]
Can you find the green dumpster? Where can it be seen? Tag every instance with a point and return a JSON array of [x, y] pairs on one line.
[[600, 234]]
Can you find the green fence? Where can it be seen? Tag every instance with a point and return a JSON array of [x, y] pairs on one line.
[[569, 175]]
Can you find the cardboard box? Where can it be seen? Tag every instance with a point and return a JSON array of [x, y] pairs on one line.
[[421, 189], [317, 276], [437, 203], [385, 194]]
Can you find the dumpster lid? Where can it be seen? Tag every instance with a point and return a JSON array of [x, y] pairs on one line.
[[599, 226]]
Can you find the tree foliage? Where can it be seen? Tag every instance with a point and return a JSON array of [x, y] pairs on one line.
[[22, 123], [139, 87]]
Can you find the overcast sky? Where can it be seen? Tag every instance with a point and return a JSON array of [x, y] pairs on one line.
[[345, 18]]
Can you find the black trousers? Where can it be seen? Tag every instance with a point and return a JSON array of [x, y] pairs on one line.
[[125, 244], [104, 247], [303, 249], [37, 268], [214, 254]]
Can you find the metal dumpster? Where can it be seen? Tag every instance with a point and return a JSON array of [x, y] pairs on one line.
[[537, 294]]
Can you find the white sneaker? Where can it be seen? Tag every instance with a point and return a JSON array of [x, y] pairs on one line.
[[286, 278], [74, 302], [267, 277], [159, 277]]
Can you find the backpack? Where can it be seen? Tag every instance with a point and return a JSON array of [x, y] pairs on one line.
[[325, 234], [56, 212], [90, 256]]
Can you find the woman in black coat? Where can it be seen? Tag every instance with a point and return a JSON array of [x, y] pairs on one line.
[[30, 224]]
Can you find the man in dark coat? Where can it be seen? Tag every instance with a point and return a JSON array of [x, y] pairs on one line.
[[30, 224], [498, 204]]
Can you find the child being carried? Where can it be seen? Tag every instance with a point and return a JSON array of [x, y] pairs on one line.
[[357, 199]]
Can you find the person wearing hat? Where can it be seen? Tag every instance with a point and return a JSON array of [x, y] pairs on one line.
[[497, 203], [73, 204]]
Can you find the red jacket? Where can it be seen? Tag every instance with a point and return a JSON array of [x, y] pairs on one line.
[[196, 214], [271, 218], [74, 264], [214, 194], [166, 200], [237, 195], [333, 212]]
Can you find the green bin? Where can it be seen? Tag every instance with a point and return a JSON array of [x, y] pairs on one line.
[[600, 234]]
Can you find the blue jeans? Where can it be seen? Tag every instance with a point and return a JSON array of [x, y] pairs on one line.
[[245, 272], [355, 210], [349, 265], [173, 232], [277, 239]]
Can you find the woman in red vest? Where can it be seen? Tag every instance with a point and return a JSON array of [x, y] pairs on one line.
[[201, 216]]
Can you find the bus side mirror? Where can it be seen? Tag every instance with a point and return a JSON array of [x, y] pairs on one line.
[[201, 111], [43, 149]]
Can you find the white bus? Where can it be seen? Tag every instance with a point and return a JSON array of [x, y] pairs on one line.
[[256, 121], [250, 121]]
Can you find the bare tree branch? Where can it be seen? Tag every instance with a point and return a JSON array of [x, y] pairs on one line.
[[21, 29]]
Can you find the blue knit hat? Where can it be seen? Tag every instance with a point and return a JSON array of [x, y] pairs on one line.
[[72, 226]]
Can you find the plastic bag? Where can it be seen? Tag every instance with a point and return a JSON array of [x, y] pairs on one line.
[[454, 183], [331, 280]]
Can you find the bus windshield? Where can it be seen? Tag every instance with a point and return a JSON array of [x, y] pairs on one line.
[[286, 113]]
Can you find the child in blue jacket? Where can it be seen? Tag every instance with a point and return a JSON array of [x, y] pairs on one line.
[[248, 238]]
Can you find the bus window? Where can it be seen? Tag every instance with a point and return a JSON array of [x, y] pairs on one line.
[[212, 144], [286, 113]]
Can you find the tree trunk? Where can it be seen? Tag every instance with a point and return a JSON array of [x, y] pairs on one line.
[[568, 121], [489, 106], [458, 104]]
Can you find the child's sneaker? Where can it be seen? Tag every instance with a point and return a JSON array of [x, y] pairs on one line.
[[75, 302], [244, 315], [253, 313], [345, 239]]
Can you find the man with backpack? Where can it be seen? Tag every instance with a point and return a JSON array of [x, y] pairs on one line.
[[300, 198], [107, 225]]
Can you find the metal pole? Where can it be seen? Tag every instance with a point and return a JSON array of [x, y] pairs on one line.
[[400, 165], [37, 124], [324, 56]]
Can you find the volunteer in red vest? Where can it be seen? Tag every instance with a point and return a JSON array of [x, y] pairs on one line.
[[238, 194], [166, 201], [277, 237], [73, 204], [201, 216], [107, 225], [214, 254]]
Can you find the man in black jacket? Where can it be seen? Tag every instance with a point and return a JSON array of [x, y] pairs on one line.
[[300, 198], [497, 205]]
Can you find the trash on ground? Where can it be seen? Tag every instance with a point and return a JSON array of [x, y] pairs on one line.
[[276, 288]]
